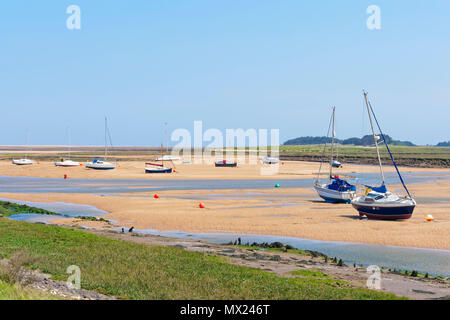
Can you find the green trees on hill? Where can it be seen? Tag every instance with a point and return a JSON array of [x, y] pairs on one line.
[[367, 140]]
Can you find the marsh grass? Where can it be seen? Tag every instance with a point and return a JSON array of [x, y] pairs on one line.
[[137, 271]]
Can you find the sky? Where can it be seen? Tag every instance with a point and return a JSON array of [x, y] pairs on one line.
[[232, 64]]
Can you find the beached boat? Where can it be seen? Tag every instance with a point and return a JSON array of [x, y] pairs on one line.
[[67, 162], [23, 161], [151, 167], [378, 202], [336, 190], [225, 163], [156, 168], [168, 157], [270, 160], [102, 164]]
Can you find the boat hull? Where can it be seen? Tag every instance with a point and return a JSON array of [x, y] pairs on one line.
[[334, 196], [100, 166], [23, 162], [376, 212], [67, 164], [166, 170], [230, 165]]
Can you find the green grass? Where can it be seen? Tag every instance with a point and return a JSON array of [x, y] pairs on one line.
[[16, 292], [9, 208], [136, 271], [311, 273]]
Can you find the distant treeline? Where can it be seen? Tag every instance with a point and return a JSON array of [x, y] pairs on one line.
[[364, 141], [444, 144]]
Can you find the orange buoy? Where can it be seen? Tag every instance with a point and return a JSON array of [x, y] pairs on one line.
[[156, 196], [429, 218], [174, 171], [201, 205]]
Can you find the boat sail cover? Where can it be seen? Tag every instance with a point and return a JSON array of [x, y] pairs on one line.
[[340, 185], [380, 189]]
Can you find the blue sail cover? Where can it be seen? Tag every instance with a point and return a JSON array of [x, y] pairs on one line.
[[341, 185], [380, 189]]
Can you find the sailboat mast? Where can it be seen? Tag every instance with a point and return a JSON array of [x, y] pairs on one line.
[[68, 141], [332, 142], [374, 136], [106, 143]]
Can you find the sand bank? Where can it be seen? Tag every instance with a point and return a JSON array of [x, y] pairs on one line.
[[296, 212]]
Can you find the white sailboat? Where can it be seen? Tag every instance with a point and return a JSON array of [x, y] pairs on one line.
[[335, 190], [67, 162], [24, 161], [102, 164]]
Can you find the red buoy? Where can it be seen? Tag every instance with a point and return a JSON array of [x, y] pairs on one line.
[[201, 205], [156, 196], [65, 176]]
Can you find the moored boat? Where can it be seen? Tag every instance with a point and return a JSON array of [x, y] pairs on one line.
[[225, 163], [378, 202], [98, 164], [336, 190], [66, 163], [23, 162]]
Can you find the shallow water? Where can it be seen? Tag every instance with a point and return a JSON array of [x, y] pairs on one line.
[[107, 186], [435, 262]]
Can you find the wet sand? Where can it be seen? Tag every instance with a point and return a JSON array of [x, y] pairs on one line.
[[296, 212], [245, 170]]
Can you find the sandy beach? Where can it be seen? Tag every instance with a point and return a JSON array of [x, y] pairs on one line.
[[296, 212]]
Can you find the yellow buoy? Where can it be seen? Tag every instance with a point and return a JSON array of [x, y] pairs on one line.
[[429, 217]]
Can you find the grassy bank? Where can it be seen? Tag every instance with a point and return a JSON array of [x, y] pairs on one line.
[[411, 156], [9, 208], [136, 271]]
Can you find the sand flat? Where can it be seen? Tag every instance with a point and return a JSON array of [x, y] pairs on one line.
[[295, 212]]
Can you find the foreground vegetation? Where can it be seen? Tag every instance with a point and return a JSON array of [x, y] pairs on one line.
[[137, 271], [9, 208], [10, 291]]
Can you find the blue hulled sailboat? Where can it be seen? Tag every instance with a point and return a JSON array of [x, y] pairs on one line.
[[378, 202]]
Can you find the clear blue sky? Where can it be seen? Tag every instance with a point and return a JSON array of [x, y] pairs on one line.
[[231, 64]]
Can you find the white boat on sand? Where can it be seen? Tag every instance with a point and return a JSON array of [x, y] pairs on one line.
[[102, 164]]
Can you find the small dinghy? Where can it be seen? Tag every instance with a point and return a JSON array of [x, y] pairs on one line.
[[378, 203], [270, 160], [98, 164], [337, 190], [156, 168], [23, 162], [336, 164], [225, 163], [66, 163]]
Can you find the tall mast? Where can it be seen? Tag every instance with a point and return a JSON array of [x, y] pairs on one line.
[[374, 136], [68, 140], [106, 144], [167, 139], [332, 141]]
